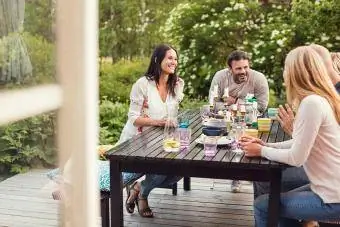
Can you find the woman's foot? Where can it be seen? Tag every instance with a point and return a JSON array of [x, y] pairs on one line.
[[132, 194], [143, 207]]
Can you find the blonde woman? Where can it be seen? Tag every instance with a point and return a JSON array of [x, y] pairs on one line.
[[315, 144]]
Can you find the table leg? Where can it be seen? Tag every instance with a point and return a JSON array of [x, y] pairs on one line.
[[274, 198], [186, 183], [116, 195]]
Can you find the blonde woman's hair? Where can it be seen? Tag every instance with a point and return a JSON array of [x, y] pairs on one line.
[[305, 74], [336, 61]]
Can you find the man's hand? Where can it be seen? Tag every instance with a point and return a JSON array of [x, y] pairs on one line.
[[286, 118], [229, 100]]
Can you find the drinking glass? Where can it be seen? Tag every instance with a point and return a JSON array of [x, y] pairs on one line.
[[171, 142], [185, 137], [183, 120], [237, 132], [210, 145], [205, 111]]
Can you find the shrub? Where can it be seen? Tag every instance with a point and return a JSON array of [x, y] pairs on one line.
[[116, 79], [28, 143], [113, 116]]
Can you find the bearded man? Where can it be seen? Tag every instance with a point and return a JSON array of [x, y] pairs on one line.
[[240, 80]]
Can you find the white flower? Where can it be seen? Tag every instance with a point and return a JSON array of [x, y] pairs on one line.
[[226, 22], [274, 34], [239, 6], [204, 16], [280, 42], [337, 37], [227, 9], [324, 37]]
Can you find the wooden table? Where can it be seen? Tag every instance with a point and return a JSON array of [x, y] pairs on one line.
[[144, 153]]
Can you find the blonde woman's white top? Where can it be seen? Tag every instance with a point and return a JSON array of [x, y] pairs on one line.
[[315, 144], [142, 91]]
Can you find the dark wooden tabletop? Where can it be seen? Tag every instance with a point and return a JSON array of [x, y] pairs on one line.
[[147, 146]]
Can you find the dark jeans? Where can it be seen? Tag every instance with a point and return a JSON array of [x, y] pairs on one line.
[[292, 178], [151, 181], [298, 204]]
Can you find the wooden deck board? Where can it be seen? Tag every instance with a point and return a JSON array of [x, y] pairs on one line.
[[25, 201]]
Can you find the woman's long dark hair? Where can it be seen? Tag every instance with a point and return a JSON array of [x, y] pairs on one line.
[[154, 70]]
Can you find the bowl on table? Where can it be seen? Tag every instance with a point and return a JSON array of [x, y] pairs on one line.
[[212, 131]]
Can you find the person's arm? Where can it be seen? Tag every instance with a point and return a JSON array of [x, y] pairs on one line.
[[261, 91], [138, 98], [281, 145], [306, 127]]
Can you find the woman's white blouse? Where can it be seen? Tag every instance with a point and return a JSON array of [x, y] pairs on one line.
[[146, 101]]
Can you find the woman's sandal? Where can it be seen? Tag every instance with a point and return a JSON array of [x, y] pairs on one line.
[[130, 206], [146, 212]]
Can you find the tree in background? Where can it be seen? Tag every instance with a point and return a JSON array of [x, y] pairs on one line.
[[208, 30], [39, 18], [130, 29]]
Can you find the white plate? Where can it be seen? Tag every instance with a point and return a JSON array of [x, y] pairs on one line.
[[221, 141]]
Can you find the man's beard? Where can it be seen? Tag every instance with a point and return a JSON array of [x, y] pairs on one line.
[[240, 78]]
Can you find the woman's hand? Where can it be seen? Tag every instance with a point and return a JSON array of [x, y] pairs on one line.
[[251, 149], [159, 123], [286, 119], [251, 139]]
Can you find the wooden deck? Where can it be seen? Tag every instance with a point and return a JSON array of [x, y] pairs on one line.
[[25, 200]]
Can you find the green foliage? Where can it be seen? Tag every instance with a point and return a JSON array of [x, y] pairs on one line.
[[117, 79], [28, 143], [130, 29], [192, 103], [113, 117], [208, 30], [39, 18], [42, 56], [317, 22]]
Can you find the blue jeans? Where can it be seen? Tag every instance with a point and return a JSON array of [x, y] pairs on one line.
[[299, 204], [292, 178], [150, 182]]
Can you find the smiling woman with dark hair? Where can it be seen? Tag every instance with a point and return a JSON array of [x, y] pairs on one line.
[[148, 99]]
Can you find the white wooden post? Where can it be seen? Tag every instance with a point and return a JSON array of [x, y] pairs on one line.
[[77, 31]]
